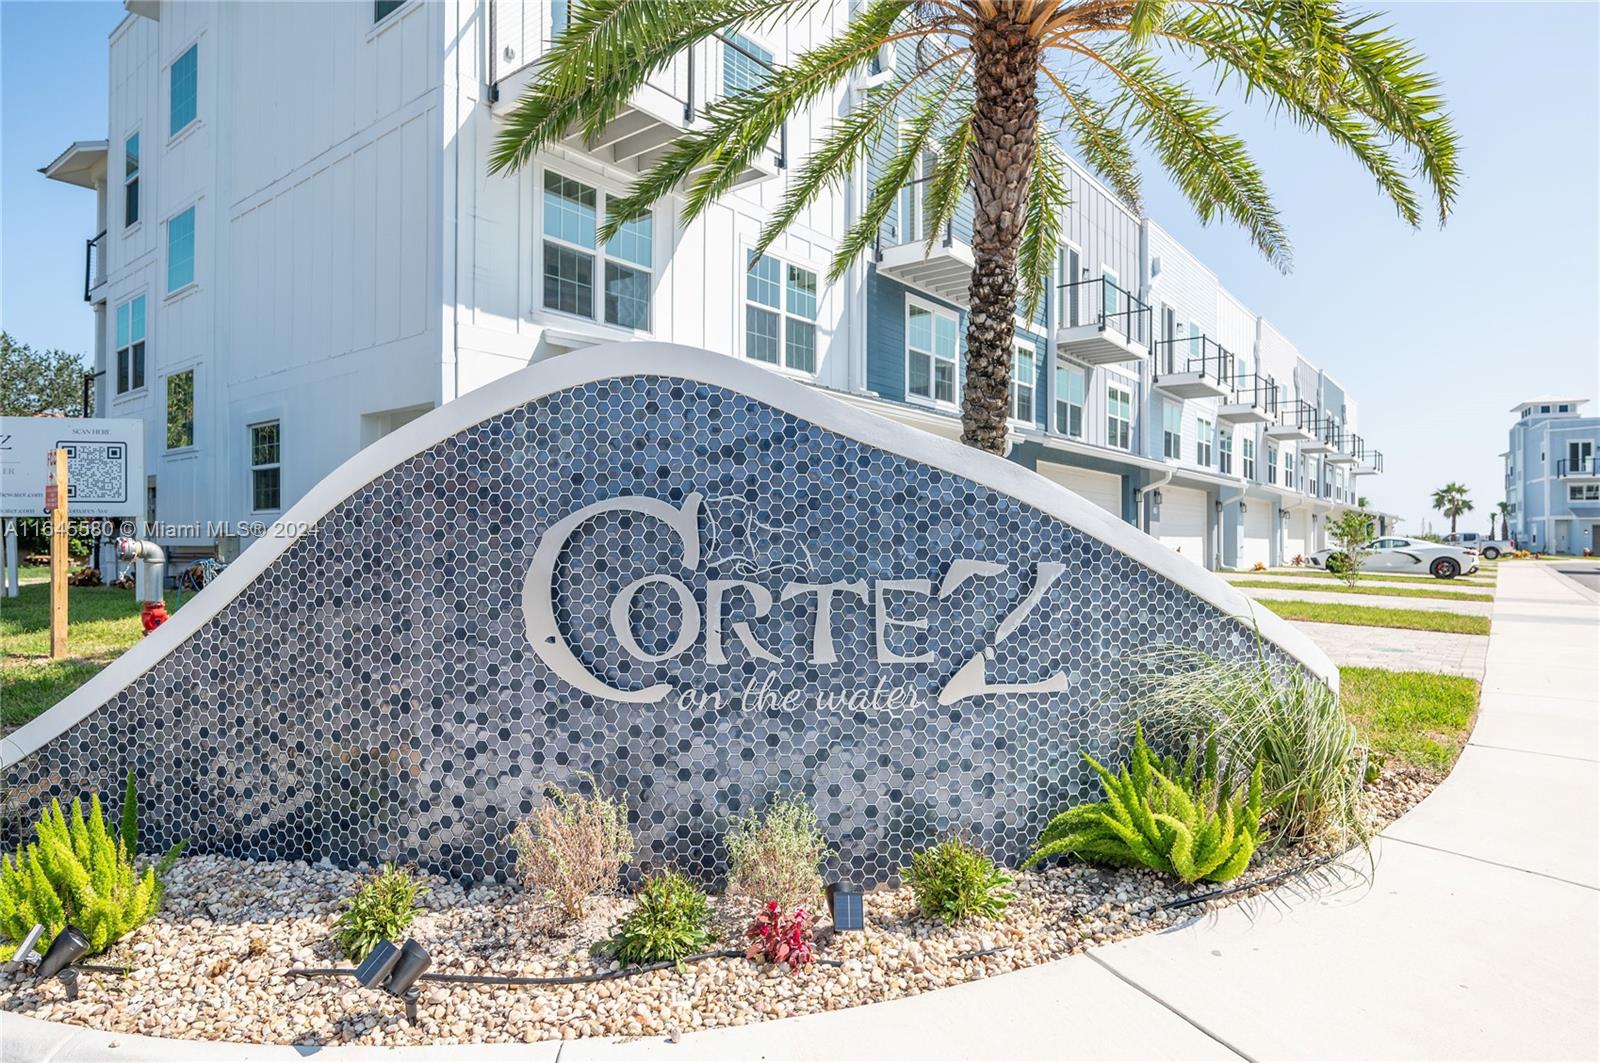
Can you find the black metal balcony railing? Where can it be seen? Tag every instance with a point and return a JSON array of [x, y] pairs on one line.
[[94, 263], [1353, 445], [1259, 392], [1198, 354], [1301, 414], [1584, 466], [907, 224], [1374, 460], [1106, 304]]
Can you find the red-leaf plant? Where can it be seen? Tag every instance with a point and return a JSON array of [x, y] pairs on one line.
[[778, 940]]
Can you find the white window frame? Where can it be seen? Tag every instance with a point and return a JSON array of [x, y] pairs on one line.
[[787, 318], [144, 339], [1069, 298], [250, 452], [135, 180], [1272, 464], [1224, 451], [1063, 399], [1017, 386], [169, 294], [194, 408], [934, 358], [1204, 441], [1171, 440], [175, 135], [1247, 457], [599, 256], [1119, 430]]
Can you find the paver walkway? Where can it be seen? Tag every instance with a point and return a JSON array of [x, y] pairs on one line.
[[1400, 649], [1439, 586], [1378, 601], [1477, 938]]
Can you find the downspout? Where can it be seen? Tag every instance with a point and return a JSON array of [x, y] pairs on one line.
[[1143, 514]]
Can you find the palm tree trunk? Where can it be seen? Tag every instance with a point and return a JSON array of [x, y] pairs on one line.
[[1004, 125]]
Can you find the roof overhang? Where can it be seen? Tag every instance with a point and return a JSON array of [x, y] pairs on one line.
[[150, 9], [82, 164]]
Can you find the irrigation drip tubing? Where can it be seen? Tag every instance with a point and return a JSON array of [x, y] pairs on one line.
[[1212, 895], [530, 980]]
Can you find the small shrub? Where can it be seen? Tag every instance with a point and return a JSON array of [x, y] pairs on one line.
[[1259, 566], [777, 856], [954, 881], [670, 924], [1298, 561], [381, 908], [78, 871], [779, 940], [572, 846], [1338, 564], [1184, 820]]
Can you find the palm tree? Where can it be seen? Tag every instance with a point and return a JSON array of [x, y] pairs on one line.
[[977, 83], [1504, 509], [1452, 501]]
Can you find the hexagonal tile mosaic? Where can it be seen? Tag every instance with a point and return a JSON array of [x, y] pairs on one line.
[[374, 694]]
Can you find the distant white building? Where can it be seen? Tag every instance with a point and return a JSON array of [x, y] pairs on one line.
[[301, 249]]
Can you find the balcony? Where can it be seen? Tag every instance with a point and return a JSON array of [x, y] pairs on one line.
[[1323, 437], [943, 267], [1254, 400], [1296, 423], [1347, 447], [1103, 323], [1581, 469], [94, 268], [667, 106], [1193, 367], [1368, 463]]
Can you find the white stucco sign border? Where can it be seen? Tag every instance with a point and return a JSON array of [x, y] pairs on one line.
[[658, 359]]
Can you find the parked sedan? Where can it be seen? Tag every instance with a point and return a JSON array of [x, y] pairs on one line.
[[1412, 556]]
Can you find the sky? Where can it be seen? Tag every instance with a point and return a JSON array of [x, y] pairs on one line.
[[1435, 333]]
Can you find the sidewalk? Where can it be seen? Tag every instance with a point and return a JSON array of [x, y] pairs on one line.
[[1476, 939], [1375, 601]]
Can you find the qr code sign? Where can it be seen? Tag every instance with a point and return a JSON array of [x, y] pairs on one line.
[[96, 472]]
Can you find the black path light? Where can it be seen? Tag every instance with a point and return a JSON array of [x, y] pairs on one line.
[[846, 906], [395, 971], [67, 949]]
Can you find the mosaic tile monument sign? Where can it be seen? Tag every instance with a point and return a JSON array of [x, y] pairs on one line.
[[682, 576]]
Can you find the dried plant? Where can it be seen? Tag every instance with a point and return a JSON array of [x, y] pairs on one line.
[[573, 846], [777, 856]]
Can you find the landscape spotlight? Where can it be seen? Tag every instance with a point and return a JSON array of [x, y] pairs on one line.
[[846, 907], [379, 962], [68, 948], [413, 960], [25, 952]]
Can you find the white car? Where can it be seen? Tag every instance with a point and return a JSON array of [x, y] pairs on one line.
[[1412, 556], [1487, 548]]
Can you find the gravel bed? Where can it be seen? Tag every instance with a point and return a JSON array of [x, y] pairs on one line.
[[213, 963]]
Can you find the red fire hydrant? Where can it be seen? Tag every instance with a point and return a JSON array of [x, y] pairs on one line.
[[153, 616]]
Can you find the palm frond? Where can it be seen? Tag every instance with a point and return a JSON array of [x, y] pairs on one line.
[[942, 197], [1041, 231], [1100, 140]]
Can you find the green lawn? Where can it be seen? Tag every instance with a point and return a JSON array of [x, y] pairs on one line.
[[1475, 580], [102, 622], [1387, 592], [1374, 616], [1419, 718]]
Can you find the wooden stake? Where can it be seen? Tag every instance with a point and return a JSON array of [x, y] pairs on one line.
[[58, 554]]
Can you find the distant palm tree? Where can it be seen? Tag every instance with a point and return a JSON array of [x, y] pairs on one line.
[[974, 83], [1452, 501], [1504, 509]]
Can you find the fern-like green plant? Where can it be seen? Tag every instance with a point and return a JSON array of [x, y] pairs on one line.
[[382, 908], [671, 923], [78, 871], [1184, 819]]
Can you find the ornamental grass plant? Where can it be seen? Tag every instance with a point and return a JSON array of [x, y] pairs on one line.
[[777, 855], [1312, 761]]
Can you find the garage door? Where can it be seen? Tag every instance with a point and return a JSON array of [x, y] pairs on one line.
[[1257, 534], [1104, 489], [1183, 522]]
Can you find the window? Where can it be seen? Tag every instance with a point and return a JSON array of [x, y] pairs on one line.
[[1225, 452], [1583, 493], [180, 409], [559, 16], [1119, 416], [1070, 265], [1272, 464], [185, 89], [1172, 430], [744, 64], [1109, 294], [1023, 380], [130, 345], [1247, 452], [266, 484], [1563, 408], [930, 353], [1202, 442], [382, 9], [130, 181], [571, 221], [180, 250], [1070, 381], [1288, 469], [780, 314]]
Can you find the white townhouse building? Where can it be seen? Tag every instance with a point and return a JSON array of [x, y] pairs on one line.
[[299, 249]]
